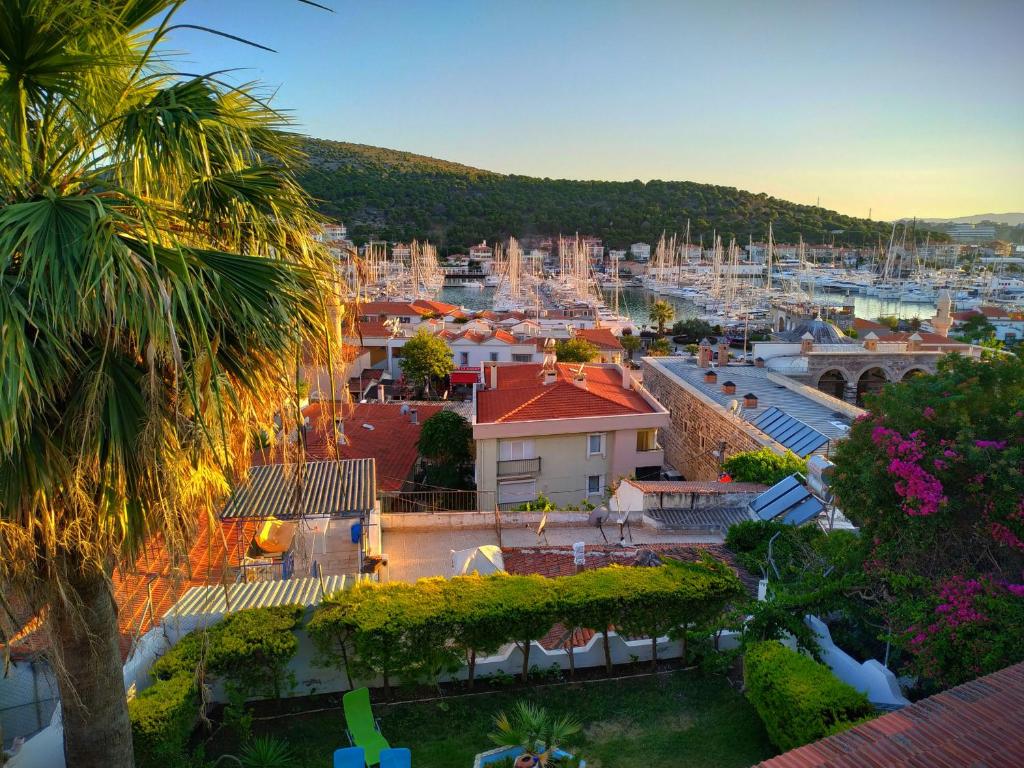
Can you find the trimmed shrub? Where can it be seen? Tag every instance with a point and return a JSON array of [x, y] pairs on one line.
[[248, 650], [763, 466], [162, 718], [799, 699]]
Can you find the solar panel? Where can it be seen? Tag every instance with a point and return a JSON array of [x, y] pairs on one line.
[[789, 432], [788, 501]]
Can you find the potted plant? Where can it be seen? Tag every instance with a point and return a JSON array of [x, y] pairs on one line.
[[532, 736]]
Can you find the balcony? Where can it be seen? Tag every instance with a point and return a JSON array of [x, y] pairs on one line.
[[519, 467]]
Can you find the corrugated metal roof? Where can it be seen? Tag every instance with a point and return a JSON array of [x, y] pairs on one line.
[[312, 489], [788, 499], [201, 601], [789, 432]]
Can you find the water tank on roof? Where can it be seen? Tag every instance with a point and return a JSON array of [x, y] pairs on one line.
[[819, 476]]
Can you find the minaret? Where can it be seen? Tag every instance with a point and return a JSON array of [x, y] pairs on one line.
[[943, 319]]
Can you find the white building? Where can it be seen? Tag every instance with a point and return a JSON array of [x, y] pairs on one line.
[[640, 251]]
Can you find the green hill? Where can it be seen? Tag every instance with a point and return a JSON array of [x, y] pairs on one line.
[[392, 195]]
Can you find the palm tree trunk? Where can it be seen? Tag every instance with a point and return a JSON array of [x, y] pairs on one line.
[[97, 732]]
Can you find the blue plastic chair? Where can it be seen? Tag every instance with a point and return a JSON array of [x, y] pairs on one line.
[[395, 757], [350, 757]]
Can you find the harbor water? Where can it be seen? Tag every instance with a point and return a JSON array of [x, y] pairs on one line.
[[635, 303]]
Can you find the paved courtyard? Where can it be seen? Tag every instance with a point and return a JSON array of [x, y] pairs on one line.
[[418, 553]]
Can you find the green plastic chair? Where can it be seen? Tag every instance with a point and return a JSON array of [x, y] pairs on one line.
[[363, 730]]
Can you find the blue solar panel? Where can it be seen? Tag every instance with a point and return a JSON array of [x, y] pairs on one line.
[[804, 511], [789, 432], [788, 501]]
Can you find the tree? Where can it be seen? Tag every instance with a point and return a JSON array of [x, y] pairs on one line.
[[661, 313], [446, 440], [890, 321], [693, 329], [660, 348], [160, 283], [575, 351], [763, 466], [630, 343], [976, 328], [426, 357], [932, 475]]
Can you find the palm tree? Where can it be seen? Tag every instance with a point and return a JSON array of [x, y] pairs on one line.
[[630, 343], [530, 727], [160, 289], [661, 312]]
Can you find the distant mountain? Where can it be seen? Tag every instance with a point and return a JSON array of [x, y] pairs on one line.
[[1010, 219], [393, 195]]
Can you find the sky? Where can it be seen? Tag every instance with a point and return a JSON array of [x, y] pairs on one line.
[[898, 108]]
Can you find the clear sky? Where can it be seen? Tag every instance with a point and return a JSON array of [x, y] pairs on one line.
[[904, 107]]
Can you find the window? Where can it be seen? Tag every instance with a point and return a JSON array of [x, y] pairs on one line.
[[646, 439], [517, 492], [595, 485], [494, 357], [595, 444], [463, 358], [405, 319], [510, 450], [522, 358]]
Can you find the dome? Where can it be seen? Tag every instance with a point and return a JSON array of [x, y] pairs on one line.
[[822, 331]]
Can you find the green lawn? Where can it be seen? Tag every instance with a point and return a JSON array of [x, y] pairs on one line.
[[672, 720]]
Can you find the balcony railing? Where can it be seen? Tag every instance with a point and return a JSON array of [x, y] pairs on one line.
[[519, 467]]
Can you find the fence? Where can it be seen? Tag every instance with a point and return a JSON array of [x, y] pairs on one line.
[[439, 500]]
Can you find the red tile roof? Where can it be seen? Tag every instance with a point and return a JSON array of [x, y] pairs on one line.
[[440, 307], [927, 339], [989, 312], [979, 723], [521, 394], [392, 441], [372, 329], [391, 308], [211, 558], [695, 486], [862, 326], [602, 338]]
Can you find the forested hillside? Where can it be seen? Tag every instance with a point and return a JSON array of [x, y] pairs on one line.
[[396, 195]]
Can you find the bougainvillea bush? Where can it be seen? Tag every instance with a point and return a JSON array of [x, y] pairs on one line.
[[933, 477]]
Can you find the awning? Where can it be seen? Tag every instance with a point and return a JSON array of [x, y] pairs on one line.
[[465, 376], [314, 489]]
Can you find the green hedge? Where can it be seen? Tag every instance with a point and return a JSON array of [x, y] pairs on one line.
[[763, 466], [799, 699], [418, 630], [162, 718], [248, 650]]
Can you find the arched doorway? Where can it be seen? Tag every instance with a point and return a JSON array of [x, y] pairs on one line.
[[913, 373], [870, 383], [833, 383], [782, 324]]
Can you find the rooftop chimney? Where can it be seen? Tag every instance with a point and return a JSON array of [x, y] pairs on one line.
[[710, 377], [871, 342], [806, 342], [704, 353], [914, 342], [750, 400], [759, 362], [494, 377], [550, 376], [723, 351], [728, 388], [580, 378], [414, 416]]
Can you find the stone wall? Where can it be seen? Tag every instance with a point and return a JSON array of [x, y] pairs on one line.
[[697, 425]]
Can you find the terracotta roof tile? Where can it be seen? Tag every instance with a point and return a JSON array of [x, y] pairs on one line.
[[602, 338], [978, 723], [392, 441], [521, 395], [695, 486]]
